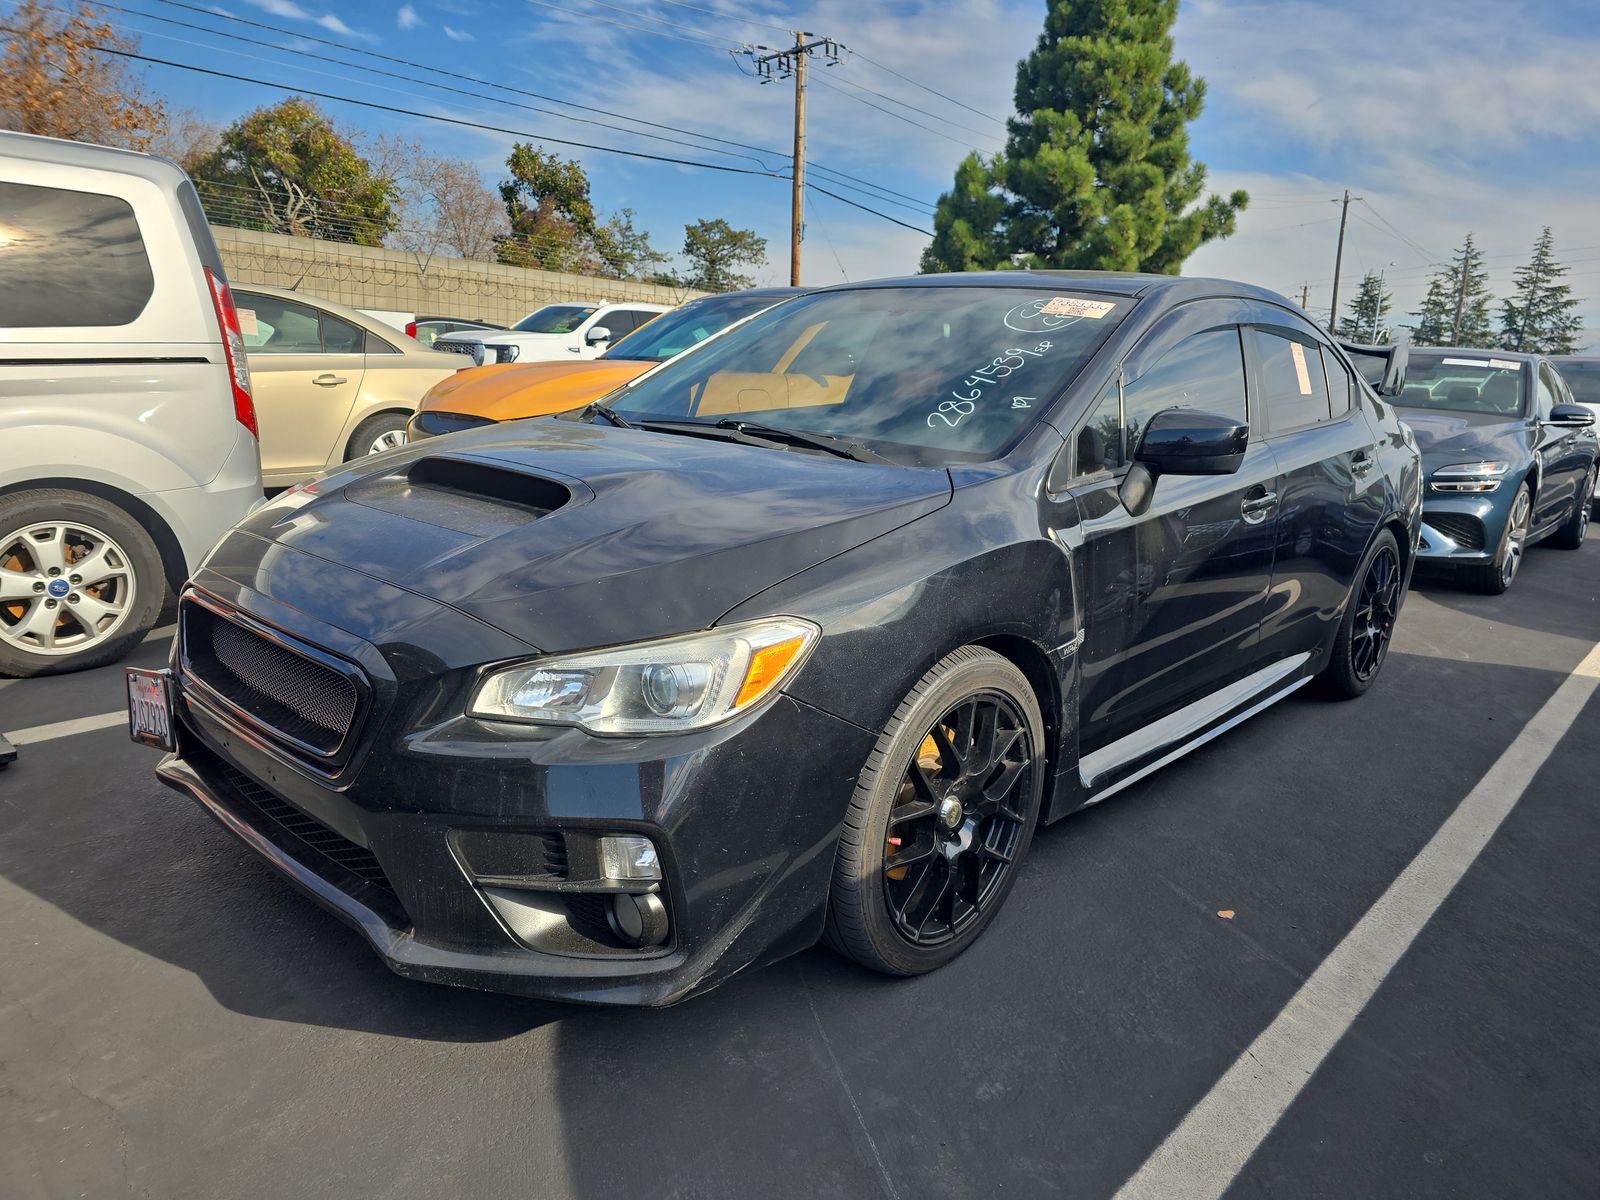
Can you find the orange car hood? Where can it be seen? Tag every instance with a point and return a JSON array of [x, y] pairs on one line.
[[507, 391]]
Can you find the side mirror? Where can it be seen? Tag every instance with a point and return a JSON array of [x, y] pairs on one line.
[[1180, 441], [597, 335], [1570, 416]]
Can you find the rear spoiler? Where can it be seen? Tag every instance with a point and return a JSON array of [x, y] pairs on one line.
[[1394, 371]]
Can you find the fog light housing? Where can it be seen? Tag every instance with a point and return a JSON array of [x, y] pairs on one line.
[[638, 920], [630, 857]]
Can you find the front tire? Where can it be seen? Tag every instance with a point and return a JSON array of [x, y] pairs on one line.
[[81, 582], [1492, 579], [1362, 643], [1576, 527], [942, 815]]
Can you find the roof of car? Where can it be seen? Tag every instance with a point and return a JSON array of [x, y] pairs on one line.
[[388, 333], [87, 154], [1116, 283]]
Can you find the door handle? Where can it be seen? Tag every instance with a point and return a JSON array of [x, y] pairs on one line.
[[1255, 508], [1361, 462], [328, 379]]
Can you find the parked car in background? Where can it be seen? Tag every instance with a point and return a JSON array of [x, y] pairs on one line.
[[331, 383], [1510, 460], [556, 332], [802, 637], [484, 395], [127, 425], [1582, 377], [427, 329]]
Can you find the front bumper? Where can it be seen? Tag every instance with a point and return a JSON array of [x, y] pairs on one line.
[[745, 819], [1463, 528]]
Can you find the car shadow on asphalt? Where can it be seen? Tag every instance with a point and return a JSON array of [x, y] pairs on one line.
[[1543, 598]]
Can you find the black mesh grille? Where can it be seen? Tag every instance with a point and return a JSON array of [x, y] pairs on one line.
[[332, 855], [470, 349], [284, 691], [1465, 531]]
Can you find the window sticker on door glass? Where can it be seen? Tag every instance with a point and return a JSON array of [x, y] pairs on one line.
[[1302, 376], [247, 321], [1071, 306], [1469, 362]]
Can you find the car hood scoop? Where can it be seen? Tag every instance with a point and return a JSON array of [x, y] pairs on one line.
[[567, 535]]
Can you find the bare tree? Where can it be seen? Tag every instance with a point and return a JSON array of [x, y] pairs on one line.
[[444, 206], [55, 81]]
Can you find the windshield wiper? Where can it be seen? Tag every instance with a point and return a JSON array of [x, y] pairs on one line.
[[609, 413], [754, 433]]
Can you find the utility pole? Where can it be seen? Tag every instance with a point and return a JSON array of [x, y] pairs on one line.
[[1305, 295], [1338, 263], [781, 64]]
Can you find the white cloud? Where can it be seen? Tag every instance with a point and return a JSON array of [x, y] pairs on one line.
[[334, 24], [456, 35], [407, 17], [281, 8]]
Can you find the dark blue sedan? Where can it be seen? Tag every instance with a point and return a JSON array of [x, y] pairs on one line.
[[1509, 458]]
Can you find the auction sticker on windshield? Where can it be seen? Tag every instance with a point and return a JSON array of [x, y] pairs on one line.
[[1071, 306], [150, 708]]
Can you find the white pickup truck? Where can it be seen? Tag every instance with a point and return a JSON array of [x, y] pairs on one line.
[[554, 333]]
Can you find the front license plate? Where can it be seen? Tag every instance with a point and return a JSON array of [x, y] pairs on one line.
[[150, 708]]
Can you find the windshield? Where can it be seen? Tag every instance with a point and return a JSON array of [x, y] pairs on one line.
[[1583, 377], [1463, 383], [555, 318], [674, 332], [921, 374]]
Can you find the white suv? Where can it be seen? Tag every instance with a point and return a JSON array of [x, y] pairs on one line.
[[554, 333], [126, 417]]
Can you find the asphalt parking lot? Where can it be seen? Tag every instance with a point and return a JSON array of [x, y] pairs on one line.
[[177, 1022]]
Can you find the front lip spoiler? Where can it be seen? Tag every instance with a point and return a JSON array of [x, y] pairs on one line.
[[652, 982]]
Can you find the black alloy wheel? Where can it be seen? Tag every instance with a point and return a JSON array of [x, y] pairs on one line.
[[953, 831], [1378, 603], [1367, 627], [942, 815]]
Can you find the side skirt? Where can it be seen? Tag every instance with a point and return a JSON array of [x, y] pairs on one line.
[[1175, 735]]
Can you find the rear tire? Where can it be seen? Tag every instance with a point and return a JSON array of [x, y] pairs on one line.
[[1571, 534], [81, 582], [1492, 579], [1362, 643], [960, 795], [386, 431]]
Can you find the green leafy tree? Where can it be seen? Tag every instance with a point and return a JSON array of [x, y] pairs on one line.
[[716, 251], [1456, 310], [554, 224], [288, 170], [1096, 171], [625, 252], [1364, 321], [1539, 317]]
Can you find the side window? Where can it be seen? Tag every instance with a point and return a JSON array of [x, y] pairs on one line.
[[70, 258], [341, 337], [376, 345], [274, 326], [1204, 372], [1294, 387], [1342, 385]]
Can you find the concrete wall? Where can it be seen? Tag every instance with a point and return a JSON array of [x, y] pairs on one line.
[[364, 277]]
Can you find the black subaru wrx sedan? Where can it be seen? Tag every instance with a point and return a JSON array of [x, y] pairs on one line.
[[798, 636]]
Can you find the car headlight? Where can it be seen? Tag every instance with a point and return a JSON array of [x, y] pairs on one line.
[[1469, 477], [506, 354], [672, 685]]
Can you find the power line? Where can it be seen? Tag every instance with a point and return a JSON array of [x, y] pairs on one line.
[[897, 116], [873, 211], [912, 107], [925, 87], [708, 137], [1427, 255], [661, 33]]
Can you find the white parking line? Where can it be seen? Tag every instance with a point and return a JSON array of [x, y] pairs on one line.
[[59, 729], [1202, 1156]]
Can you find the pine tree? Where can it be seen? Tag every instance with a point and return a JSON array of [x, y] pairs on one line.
[[1539, 318], [1438, 308], [1456, 310], [1372, 303], [1096, 171]]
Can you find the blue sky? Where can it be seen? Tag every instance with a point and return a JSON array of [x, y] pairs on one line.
[[1444, 115]]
